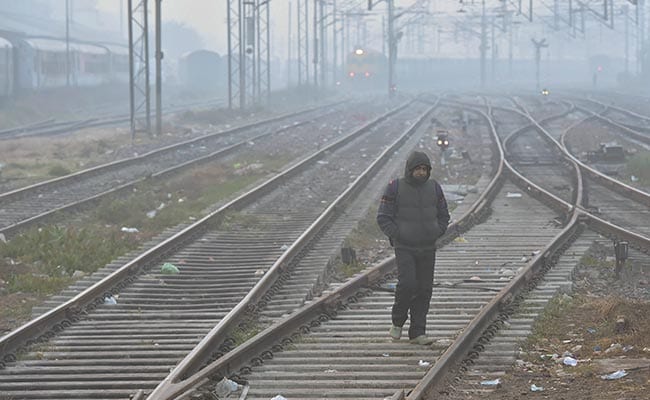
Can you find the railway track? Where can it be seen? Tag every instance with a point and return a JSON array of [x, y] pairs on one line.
[[34, 204], [336, 345], [501, 352], [99, 350], [347, 355], [50, 127]]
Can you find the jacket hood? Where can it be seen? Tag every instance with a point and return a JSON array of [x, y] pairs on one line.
[[416, 158]]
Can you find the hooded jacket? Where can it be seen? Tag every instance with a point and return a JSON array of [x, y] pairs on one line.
[[413, 213]]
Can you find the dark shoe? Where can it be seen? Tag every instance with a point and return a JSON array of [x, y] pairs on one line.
[[395, 332], [422, 340]]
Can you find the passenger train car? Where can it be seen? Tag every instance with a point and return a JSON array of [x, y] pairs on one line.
[[366, 69], [203, 71], [6, 68], [29, 64]]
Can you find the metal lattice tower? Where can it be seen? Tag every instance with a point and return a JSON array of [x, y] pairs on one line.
[[263, 51], [234, 44], [303, 42], [140, 98], [249, 75]]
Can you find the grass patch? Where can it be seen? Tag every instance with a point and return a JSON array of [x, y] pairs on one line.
[[546, 324], [58, 170], [639, 166], [242, 334], [43, 260]]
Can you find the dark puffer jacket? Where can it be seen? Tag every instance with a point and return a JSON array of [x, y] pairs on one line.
[[412, 213]]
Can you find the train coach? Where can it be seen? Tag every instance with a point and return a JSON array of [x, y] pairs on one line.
[[6, 68], [32, 64], [203, 71]]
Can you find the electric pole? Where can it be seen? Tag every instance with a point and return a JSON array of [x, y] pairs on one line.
[[159, 57], [539, 45], [483, 45], [139, 63], [67, 43]]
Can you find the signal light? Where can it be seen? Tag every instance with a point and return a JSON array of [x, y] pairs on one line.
[[351, 74], [545, 92], [442, 140], [367, 74]]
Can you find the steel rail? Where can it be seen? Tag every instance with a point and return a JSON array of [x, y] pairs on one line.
[[631, 192], [27, 190], [628, 130], [470, 335], [179, 382], [327, 306], [53, 127], [12, 229], [70, 310]]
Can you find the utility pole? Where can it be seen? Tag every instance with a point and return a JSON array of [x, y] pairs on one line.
[[159, 57], [483, 45], [139, 63], [392, 48], [539, 45], [335, 50], [493, 48], [392, 44], [315, 52], [67, 43], [323, 44], [248, 51], [626, 11], [289, 47]]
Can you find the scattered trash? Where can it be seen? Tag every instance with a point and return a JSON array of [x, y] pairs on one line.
[[513, 195], [460, 239], [169, 268], [321, 162], [591, 330], [78, 274], [614, 347], [225, 387], [423, 363], [386, 355], [627, 348], [597, 349], [110, 300], [633, 178], [493, 382], [576, 348], [570, 361], [3, 239], [129, 230], [475, 278], [279, 397], [330, 371], [614, 375], [151, 214], [535, 388], [284, 247], [259, 272]]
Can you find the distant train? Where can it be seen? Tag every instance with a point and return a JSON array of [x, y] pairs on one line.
[[203, 71], [366, 69], [30, 64]]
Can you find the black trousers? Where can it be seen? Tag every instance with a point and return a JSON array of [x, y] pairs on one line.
[[414, 287]]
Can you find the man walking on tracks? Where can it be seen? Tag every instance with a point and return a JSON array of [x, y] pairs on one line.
[[413, 214]]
